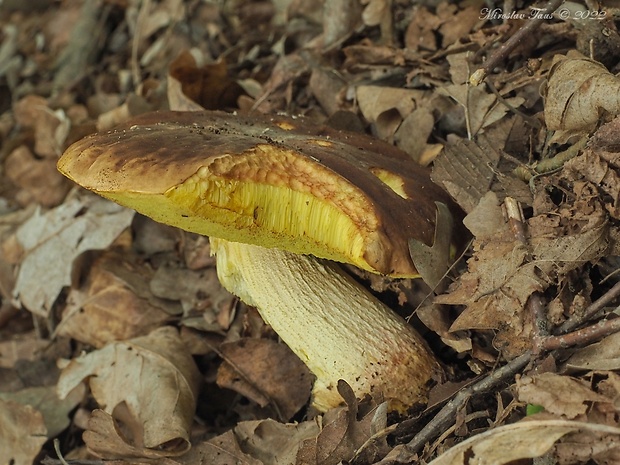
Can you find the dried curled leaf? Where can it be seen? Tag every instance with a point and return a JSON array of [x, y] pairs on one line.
[[578, 90], [506, 444], [153, 380]]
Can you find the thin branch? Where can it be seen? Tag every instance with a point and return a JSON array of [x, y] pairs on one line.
[[581, 337], [445, 418], [574, 322]]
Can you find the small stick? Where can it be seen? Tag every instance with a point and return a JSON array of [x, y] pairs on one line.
[[592, 310], [582, 336], [445, 417], [500, 54]]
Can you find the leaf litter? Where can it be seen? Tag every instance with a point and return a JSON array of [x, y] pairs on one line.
[[178, 371]]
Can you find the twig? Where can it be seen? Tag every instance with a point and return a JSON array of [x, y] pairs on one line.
[[550, 165], [592, 310], [514, 212], [445, 417], [500, 54], [57, 449], [582, 336]]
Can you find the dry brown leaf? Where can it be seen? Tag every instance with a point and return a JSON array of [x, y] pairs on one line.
[[346, 433], [599, 163], [466, 170], [559, 395], [50, 127], [104, 438], [261, 442], [22, 433], [603, 355], [386, 107], [506, 444], [266, 372], [340, 19], [456, 24], [578, 90], [375, 11], [277, 91], [420, 33], [208, 85], [37, 178], [412, 136], [25, 346], [52, 240], [482, 107], [153, 378], [45, 400], [221, 450], [272, 442], [112, 306], [197, 290], [503, 273], [327, 87]]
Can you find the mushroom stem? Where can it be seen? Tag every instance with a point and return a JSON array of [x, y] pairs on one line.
[[333, 324]]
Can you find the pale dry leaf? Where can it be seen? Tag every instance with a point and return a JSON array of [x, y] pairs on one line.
[[52, 240], [109, 306], [340, 19], [23, 346], [386, 107], [578, 90], [503, 273], [266, 372], [467, 169], [327, 87], [375, 11], [421, 31], [412, 135], [44, 399], [104, 439], [51, 127], [221, 450], [483, 108], [177, 99], [588, 447], [346, 433], [156, 379], [495, 294], [197, 290], [523, 440], [37, 178], [559, 395], [22, 433], [600, 162], [456, 24], [117, 115], [274, 443], [603, 355], [487, 218]]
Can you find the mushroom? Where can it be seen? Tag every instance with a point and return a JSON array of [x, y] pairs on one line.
[[282, 202]]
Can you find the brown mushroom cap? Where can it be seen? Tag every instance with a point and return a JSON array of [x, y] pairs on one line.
[[275, 182]]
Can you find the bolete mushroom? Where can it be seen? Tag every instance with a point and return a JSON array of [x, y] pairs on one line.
[[282, 202]]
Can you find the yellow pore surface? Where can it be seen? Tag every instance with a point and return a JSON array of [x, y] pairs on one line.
[[288, 202]]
